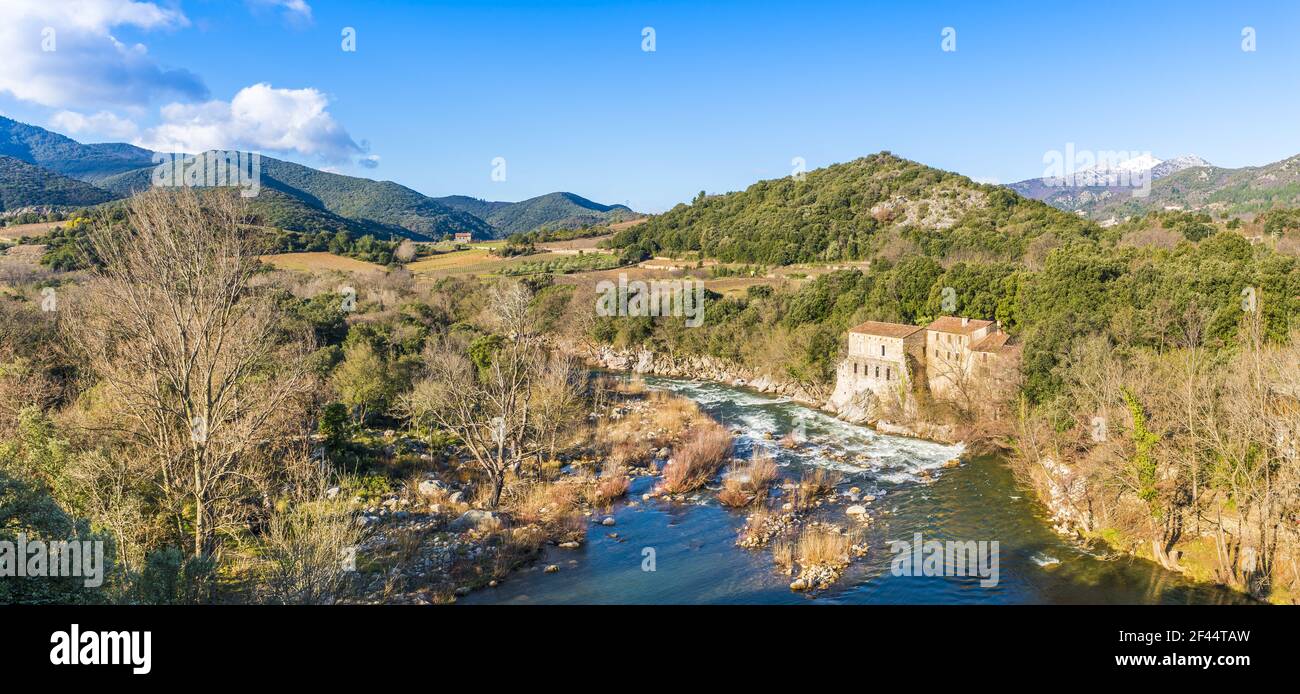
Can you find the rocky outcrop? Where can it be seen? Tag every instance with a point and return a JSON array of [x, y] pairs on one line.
[[1065, 497], [644, 361]]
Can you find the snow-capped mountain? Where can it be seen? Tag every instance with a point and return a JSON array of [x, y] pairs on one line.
[[1084, 186]]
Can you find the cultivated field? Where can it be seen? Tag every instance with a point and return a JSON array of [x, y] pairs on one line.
[[307, 262], [587, 244], [27, 230]]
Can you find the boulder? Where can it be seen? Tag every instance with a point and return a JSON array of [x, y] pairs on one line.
[[430, 487], [474, 519]]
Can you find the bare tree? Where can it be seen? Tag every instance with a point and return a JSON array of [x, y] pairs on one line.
[[193, 360], [490, 410]]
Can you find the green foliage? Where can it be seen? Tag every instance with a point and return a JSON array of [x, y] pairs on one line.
[[569, 264], [24, 185], [848, 212], [171, 578], [364, 382], [483, 350], [1144, 464], [334, 427]]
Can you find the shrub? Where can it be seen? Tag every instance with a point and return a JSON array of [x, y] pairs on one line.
[[697, 460], [613, 483], [819, 546], [748, 483]]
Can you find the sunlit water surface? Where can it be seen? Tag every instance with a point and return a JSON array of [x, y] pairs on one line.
[[696, 560]]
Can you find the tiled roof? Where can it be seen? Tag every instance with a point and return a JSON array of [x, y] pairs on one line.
[[952, 324], [895, 330], [991, 343]]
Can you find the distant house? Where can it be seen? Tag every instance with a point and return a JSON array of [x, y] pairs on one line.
[[464, 237]]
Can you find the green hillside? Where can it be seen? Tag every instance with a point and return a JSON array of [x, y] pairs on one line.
[[852, 211], [550, 211], [66, 156], [23, 185]]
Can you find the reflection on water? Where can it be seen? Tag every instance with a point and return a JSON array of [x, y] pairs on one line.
[[696, 561]]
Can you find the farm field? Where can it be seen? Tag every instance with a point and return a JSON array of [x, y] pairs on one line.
[[587, 244], [307, 262], [22, 230]]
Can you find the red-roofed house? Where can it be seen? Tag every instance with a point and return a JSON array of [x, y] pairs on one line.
[[957, 358]]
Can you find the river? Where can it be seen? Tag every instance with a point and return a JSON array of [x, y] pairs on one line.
[[696, 560]]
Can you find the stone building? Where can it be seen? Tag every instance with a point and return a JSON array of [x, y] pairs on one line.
[[955, 358], [878, 362]]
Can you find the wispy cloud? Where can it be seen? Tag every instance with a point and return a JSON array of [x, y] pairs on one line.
[[297, 11]]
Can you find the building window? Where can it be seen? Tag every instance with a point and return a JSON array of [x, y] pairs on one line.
[[888, 377], [877, 372], [882, 350], [855, 368]]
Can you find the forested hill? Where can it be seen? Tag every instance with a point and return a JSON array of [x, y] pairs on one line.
[[23, 185], [852, 211], [65, 156], [550, 211]]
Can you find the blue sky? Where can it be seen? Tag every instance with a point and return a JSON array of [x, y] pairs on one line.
[[733, 92]]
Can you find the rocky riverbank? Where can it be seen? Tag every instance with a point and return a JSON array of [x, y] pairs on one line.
[[706, 368]]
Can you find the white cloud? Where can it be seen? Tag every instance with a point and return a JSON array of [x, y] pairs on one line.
[[260, 118], [103, 124], [62, 53], [295, 10]]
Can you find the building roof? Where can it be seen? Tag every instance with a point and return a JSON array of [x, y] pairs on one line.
[[895, 330], [994, 342], [953, 324]]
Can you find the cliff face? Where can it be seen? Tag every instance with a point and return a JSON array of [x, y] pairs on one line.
[[644, 361]]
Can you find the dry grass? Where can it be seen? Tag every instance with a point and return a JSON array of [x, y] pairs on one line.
[[20, 231], [613, 483], [783, 553], [818, 546], [543, 503], [698, 459], [308, 262], [748, 483], [819, 482]]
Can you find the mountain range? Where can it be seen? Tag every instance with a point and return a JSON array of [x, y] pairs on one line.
[[40, 170], [1183, 183]]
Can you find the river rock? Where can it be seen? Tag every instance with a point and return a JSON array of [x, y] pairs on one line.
[[551, 568], [430, 487], [856, 511], [607, 521], [474, 519]]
